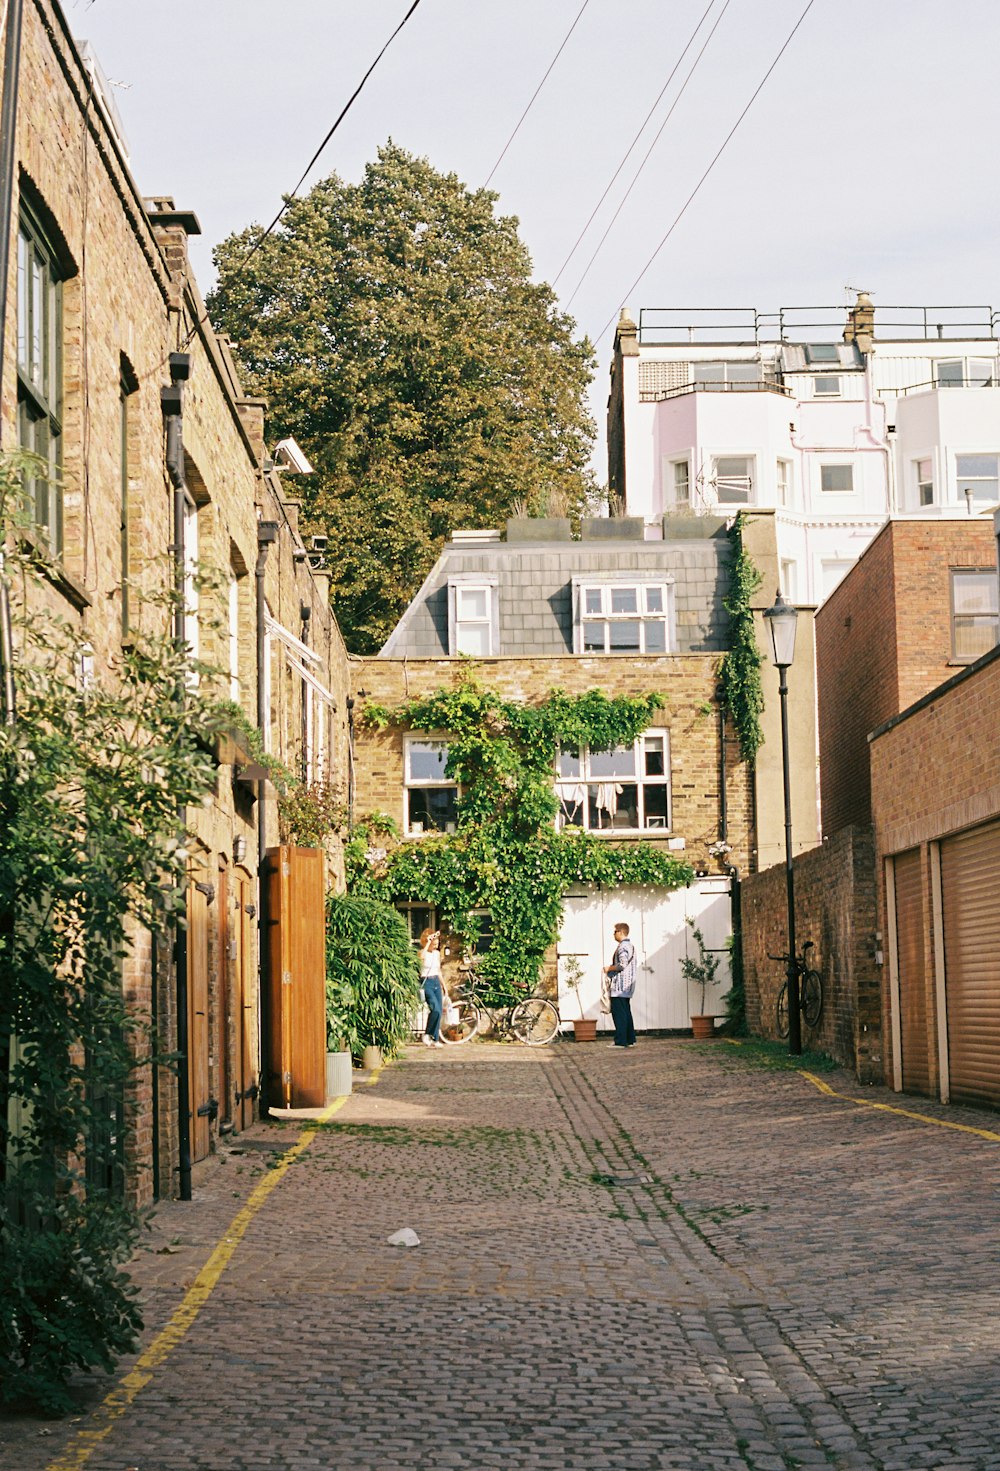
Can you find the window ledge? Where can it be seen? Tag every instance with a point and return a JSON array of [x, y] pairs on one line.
[[57, 575]]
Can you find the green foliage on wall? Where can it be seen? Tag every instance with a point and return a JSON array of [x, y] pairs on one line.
[[507, 856], [739, 671], [93, 775]]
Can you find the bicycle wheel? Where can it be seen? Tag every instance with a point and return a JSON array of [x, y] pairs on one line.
[[534, 1022], [782, 1011], [812, 997], [466, 1026]]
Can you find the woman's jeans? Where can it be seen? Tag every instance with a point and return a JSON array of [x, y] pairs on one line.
[[433, 996]]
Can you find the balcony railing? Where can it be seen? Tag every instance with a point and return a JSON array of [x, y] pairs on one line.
[[764, 385], [675, 325], [969, 382]]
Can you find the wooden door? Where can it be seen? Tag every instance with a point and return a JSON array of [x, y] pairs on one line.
[[910, 964], [225, 1011], [199, 1101], [296, 977], [970, 872], [245, 1090]]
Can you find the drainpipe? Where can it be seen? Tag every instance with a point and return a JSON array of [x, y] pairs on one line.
[[305, 614], [350, 763], [171, 404], [8, 129], [267, 535]]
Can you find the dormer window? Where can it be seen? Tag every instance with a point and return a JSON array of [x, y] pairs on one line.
[[623, 618], [826, 387], [473, 617]]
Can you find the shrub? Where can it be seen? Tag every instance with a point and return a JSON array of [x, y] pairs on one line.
[[372, 979]]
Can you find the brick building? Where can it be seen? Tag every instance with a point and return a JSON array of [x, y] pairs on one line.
[[613, 611], [920, 602], [106, 339], [936, 809]]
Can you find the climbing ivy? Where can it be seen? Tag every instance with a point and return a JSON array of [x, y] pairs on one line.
[[507, 856], [739, 671]]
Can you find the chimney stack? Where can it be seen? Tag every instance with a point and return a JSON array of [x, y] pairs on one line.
[[860, 327]]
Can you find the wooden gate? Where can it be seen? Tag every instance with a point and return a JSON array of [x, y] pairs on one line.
[[245, 1080], [970, 872], [296, 977], [911, 970]]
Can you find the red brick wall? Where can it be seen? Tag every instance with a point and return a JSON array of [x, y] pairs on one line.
[[883, 639], [835, 908]]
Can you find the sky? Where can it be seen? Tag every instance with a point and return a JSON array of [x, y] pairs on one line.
[[867, 161]]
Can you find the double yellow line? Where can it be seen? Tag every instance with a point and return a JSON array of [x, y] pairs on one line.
[[117, 1401]]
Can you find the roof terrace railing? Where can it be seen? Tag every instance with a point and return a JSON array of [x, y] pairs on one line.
[[673, 326], [763, 385]]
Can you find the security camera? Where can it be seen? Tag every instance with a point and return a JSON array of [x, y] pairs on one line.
[[288, 456]]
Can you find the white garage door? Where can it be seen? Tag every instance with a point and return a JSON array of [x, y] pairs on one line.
[[663, 1000]]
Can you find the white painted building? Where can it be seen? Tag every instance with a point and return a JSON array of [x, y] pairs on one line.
[[834, 420]]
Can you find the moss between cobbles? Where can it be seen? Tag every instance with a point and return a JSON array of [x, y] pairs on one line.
[[772, 1056], [480, 1136]]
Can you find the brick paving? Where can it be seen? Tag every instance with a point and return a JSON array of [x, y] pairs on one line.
[[662, 1259]]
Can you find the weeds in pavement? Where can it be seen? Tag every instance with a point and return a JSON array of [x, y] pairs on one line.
[[771, 1056]]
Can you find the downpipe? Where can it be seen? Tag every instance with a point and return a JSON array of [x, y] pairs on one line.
[[171, 403], [267, 535]]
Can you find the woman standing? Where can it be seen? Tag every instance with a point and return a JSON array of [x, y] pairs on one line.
[[430, 977]]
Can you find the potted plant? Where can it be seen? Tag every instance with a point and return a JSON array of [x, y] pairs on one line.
[[701, 972], [584, 1027], [372, 979]]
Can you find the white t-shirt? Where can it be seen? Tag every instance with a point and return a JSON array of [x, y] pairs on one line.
[[430, 965]]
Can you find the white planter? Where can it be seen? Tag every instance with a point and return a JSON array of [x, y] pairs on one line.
[[339, 1075]]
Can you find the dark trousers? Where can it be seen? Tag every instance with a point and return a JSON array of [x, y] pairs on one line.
[[621, 1015], [433, 996]]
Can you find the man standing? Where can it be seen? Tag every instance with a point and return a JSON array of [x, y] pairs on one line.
[[621, 984]]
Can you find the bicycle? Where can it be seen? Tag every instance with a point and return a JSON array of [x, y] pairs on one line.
[[533, 1021], [810, 992]]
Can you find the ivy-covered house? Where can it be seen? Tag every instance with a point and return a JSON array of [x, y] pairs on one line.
[[527, 819]]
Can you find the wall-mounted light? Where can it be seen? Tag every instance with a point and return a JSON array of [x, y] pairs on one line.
[[239, 848]]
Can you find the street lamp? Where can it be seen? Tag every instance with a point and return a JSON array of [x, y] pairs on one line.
[[781, 622]]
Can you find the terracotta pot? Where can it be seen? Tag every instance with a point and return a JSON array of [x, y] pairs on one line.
[[585, 1029], [703, 1027]]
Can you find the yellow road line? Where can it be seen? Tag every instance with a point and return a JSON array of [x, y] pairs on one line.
[[906, 1113], [117, 1401]]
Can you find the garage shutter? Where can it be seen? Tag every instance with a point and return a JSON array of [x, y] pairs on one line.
[[912, 976], [970, 874]]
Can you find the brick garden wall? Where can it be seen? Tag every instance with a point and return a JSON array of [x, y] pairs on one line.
[[834, 907]]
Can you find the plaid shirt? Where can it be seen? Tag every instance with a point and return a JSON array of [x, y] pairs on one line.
[[621, 972]]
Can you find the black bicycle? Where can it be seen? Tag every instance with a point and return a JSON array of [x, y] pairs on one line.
[[533, 1021], [810, 991]]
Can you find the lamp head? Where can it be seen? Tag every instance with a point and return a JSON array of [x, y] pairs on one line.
[[781, 620]]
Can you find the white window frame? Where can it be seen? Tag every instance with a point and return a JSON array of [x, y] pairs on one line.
[[976, 372], [234, 638], [992, 618], [750, 460], [575, 790], [672, 480], [985, 479], [789, 579], [192, 599], [828, 385], [411, 783], [458, 587], [783, 481], [836, 465], [644, 616], [924, 482]]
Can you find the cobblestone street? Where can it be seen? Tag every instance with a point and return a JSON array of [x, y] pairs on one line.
[[661, 1259]]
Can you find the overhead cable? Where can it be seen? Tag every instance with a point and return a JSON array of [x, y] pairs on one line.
[[343, 113], [625, 156], [725, 143], [534, 95], [635, 177]]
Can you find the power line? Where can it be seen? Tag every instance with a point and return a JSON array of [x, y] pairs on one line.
[[200, 321], [534, 95], [343, 113], [625, 156], [635, 177], [725, 143]]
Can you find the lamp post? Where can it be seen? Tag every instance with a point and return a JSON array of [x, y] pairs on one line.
[[781, 622]]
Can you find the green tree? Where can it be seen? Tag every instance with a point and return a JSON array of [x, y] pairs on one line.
[[394, 329]]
